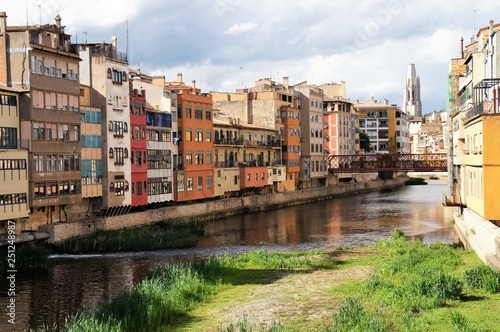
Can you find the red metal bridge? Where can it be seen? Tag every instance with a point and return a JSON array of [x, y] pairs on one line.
[[428, 162]]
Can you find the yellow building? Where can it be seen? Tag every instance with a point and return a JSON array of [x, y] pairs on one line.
[[474, 163], [385, 124], [14, 180], [241, 151]]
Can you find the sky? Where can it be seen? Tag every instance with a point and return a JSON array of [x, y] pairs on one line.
[[229, 44]]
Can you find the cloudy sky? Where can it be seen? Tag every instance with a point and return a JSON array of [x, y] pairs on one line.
[[229, 44]]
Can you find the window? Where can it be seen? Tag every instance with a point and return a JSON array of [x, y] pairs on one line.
[[38, 163], [189, 135], [119, 155], [200, 183], [208, 114], [199, 157], [198, 136], [110, 153], [188, 112], [189, 183], [8, 138], [189, 158], [138, 159], [208, 136], [209, 157], [209, 182], [198, 113], [180, 182], [139, 188]]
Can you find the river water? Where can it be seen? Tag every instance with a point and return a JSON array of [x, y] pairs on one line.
[[73, 282]]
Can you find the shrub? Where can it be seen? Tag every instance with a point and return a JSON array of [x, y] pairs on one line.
[[483, 277]]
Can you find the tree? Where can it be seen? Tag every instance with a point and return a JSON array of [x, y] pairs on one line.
[[364, 141]]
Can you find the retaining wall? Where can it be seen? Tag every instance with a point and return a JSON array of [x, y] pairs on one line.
[[215, 209]]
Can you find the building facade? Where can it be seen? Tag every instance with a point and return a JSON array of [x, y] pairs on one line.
[[194, 176], [385, 124], [313, 157], [44, 65], [14, 176], [105, 70]]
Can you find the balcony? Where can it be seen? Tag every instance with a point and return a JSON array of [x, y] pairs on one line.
[[474, 112]]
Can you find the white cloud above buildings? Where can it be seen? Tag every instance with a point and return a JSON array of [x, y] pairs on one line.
[[229, 44]]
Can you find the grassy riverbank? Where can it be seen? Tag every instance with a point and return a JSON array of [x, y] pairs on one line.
[[395, 285]]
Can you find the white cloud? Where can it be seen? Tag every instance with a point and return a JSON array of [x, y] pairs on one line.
[[237, 29]]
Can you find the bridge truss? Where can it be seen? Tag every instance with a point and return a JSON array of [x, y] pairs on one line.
[[428, 162]]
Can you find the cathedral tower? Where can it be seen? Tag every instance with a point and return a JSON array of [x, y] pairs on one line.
[[412, 105]]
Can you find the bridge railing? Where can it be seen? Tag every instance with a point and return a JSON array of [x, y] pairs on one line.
[[388, 162]]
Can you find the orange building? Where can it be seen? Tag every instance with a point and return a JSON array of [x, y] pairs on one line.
[[194, 175], [290, 148]]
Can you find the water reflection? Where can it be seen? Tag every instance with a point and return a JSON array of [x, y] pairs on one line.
[[72, 282]]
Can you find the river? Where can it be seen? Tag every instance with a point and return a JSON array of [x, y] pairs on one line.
[[73, 282]]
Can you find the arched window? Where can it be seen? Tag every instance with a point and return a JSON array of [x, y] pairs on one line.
[[124, 76], [110, 75], [110, 126], [126, 186], [110, 153], [111, 186], [125, 127], [125, 153]]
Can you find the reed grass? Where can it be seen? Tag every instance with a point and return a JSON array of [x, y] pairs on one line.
[[158, 236]]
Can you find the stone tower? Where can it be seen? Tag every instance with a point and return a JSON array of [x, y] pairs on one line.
[[412, 104]]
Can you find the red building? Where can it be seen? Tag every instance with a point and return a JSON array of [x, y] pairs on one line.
[[194, 175], [138, 146]]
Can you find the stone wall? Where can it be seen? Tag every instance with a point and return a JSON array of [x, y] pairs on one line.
[[215, 209]]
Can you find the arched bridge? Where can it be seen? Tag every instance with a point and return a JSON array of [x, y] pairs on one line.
[[428, 162]]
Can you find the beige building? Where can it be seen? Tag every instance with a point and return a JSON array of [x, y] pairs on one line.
[[313, 158], [243, 153], [260, 106], [14, 178]]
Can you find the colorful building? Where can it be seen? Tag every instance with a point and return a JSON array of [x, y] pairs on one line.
[[138, 146], [105, 70], [194, 177], [385, 124], [313, 157]]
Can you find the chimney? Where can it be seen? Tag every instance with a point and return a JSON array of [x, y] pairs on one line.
[[193, 84], [285, 82], [462, 47], [3, 48], [114, 42], [58, 21], [491, 27], [179, 78]]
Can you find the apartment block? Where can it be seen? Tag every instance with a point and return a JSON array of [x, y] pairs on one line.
[[194, 177], [105, 70], [385, 124], [14, 176], [44, 66], [313, 158], [161, 137], [245, 157]]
